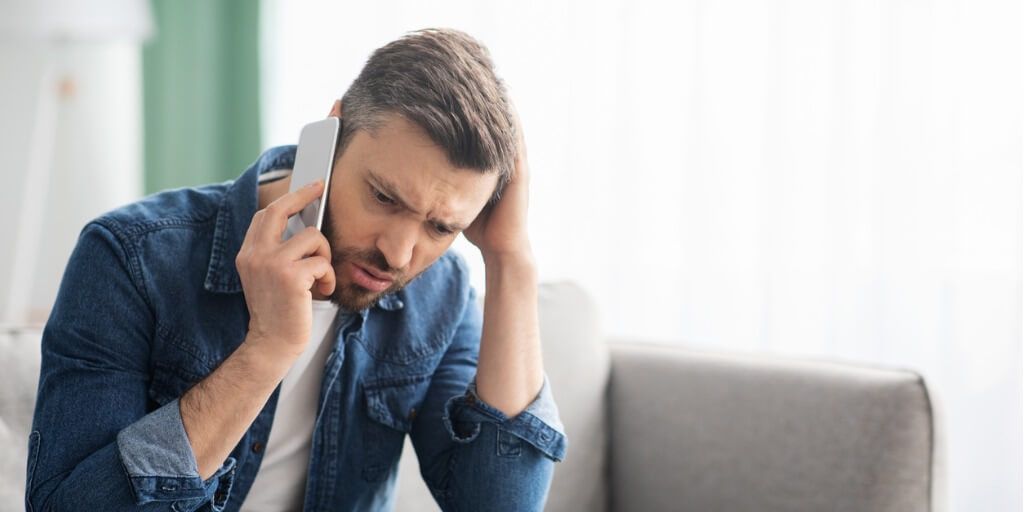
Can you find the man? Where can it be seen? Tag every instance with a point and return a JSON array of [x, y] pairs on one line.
[[194, 361]]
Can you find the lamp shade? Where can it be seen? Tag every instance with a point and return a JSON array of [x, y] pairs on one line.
[[75, 20]]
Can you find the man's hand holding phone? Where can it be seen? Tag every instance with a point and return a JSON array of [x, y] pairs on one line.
[[277, 276]]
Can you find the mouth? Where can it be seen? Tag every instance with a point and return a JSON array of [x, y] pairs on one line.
[[369, 278]]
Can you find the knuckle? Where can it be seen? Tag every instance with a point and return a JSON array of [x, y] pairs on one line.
[[243, 256]]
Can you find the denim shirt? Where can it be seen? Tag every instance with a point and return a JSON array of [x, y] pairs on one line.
[[151, 303]]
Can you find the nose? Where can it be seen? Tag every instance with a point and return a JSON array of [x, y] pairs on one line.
[[398, 242]]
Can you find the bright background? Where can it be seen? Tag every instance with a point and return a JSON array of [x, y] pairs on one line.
[[820, 178]]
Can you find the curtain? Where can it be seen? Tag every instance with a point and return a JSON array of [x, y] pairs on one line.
[[818, 178], [201, 92]]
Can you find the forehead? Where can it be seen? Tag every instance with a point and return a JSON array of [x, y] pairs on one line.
[[401, 155]]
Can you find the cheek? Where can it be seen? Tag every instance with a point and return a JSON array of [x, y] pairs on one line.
[[352, 224]]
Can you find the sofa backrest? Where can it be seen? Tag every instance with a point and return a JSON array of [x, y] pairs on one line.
[[697, 431]]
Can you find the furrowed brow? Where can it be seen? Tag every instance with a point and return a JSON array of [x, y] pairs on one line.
[[391, 191]]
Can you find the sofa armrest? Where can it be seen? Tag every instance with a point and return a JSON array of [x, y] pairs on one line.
[[703, 431], [19, 360]]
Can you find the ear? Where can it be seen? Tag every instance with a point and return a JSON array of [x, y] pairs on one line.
[[335, 109]]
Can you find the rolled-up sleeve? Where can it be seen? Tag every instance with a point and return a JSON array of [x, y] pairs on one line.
[[96, 442], [539, 424], [472, 456], [158, 458]]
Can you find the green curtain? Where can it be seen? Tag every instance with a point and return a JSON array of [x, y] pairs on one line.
[[201, 92]]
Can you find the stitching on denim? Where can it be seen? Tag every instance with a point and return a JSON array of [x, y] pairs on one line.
[[175, 339], [33, 458], [511, 449], [378, 410], [214, 277], [129, 258], [526, 426], [143, 228]]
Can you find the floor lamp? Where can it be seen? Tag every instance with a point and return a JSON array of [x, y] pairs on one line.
[[54, 25]]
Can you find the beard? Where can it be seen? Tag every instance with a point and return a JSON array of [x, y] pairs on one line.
[[351, 296]]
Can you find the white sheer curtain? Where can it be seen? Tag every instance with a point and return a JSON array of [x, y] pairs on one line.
[[821, 178]]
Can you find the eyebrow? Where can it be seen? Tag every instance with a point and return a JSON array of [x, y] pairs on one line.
[[391, 191]]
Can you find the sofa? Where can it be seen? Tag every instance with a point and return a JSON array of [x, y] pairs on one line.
[[657, 427]]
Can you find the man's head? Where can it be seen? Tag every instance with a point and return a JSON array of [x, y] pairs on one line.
[[427, 140]]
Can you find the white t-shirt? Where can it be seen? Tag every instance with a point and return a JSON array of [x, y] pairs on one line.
[[281, 481]]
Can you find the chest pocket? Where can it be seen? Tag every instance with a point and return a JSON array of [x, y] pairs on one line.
[[390, 406]]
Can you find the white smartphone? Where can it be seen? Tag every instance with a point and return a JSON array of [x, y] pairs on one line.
[[314, 160]]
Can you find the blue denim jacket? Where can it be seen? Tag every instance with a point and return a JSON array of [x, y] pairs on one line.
[[151, 302]]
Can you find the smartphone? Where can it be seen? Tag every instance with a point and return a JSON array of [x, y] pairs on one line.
[[314, 160]]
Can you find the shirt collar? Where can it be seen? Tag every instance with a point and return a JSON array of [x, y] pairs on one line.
[[233, 218]]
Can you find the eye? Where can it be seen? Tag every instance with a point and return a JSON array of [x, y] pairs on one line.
[[381, 198], [441, 230]]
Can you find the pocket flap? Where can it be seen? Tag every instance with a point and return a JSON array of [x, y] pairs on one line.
[[394, 402]]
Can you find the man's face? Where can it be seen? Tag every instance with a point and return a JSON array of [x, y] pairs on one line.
[[395, 205]]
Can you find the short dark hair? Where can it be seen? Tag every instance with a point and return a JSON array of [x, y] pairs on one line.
[[442, 80]]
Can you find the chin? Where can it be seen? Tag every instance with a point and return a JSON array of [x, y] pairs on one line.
[[354, 297]]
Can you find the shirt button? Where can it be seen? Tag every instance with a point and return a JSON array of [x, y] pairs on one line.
[[257, 447]]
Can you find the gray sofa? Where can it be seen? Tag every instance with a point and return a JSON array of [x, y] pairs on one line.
[[660, 428]]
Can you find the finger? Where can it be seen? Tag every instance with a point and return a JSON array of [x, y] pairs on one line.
[[321, 272], [275, 216], [308, 242], [251, 236]]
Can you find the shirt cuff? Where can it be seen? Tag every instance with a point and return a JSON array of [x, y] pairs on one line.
[[156, 454], [539, 424]]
